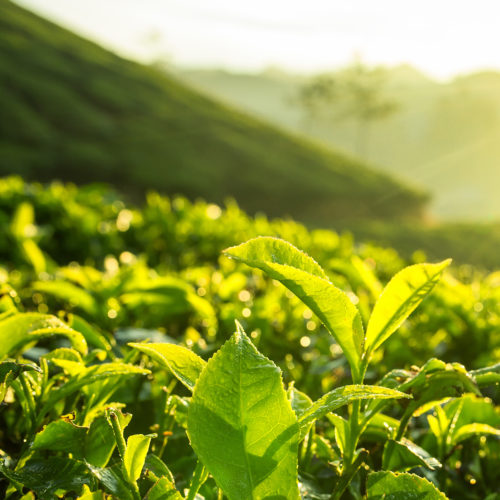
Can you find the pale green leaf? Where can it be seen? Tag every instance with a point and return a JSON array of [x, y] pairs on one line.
[[305, 278], [34, 255], [401, 486], [75, 295], [399, 299], [343, 396], [300, 402], [135, 455], [23, 222], [486, 376], [24, 328], [183, 363], [470, 430], [242, 426], [90, 495], [163, 489]]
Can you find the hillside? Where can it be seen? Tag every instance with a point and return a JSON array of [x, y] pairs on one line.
[[75, 111], [444, 136]]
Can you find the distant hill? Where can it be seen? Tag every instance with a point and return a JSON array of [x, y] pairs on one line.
[[445, 136], [73, 110]]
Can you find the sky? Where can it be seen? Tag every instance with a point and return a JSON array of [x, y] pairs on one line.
[[440, 37]]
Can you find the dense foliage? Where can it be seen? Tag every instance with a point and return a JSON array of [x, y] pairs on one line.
[[123, 372], [74, 111]]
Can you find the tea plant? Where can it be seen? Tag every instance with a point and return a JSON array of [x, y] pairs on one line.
[[231, 428]]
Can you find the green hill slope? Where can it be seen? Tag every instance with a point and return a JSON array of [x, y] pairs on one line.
[[72, 110], [444, 136]]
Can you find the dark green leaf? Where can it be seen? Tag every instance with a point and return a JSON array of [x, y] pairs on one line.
[[401, 456], [46, 476], [62, 436], [112, 480]]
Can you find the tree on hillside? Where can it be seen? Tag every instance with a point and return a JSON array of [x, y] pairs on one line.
[[356, 93]]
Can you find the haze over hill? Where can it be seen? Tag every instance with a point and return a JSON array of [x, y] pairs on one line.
[[72, 110], [444, 137]]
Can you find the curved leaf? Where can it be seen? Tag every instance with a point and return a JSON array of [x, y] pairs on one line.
[[394, 486], [88, 376], [75, 295], [400, 456], [163, 489], [343, 396], [399, 299], [135, 455], [48, 475], [184, 364], [305, 278], [20, 329], [469, 430], [242, 426], [488, 375], [111, 478], [62, 435]]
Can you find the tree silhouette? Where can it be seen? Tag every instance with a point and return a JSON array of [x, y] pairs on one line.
[[356, 93]]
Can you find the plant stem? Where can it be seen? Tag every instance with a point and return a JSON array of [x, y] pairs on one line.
[[306, 459], [347, 475], [200, 475], [28, 394], [117, 431]]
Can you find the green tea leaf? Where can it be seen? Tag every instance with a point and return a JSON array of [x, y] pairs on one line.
[[401, 486], [486, 376], [400, 456], [135, 455], [156, 466], [61, 436], [99, 442], [9, 371], [75, 295], [242, 426], [342, 430], [163, 489], [46, 476], [90, 495], [112, 479], [305, 278], [264, 251], [469, 430], [91, 334], [343, 396], [300, 402], [24, 328], [184, 364], [88, 376], [399, 299]]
